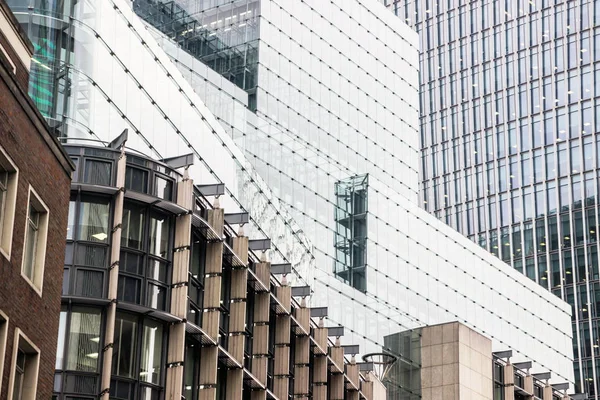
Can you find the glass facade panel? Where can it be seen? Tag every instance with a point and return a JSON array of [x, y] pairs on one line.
[[545, 62], [151, 360], [83, 347], [93, 222]]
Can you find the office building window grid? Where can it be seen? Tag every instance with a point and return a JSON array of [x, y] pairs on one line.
[[508, 131]]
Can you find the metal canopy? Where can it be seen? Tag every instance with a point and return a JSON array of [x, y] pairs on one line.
[[119, 140], [542, 376], [523, 365], [259, 244], [216, 189], [179, 161], [237, 218], [300, 291], [336, 331], [503, 354], [281, 269], [365, 366], [560, 386], [318, 312]]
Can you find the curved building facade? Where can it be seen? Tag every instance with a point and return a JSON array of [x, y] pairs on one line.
[[162, 298], [509, 122]]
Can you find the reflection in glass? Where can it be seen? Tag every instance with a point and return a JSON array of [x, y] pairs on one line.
[[84, 340], [164, 188], [132, 227], [159, 235], [93, 222], [136, 179], [71, 221], [124, 346], [60, 347], [97, 172], [151, 362]]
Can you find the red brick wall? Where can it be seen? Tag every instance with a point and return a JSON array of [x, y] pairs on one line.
[[39, 166], [22, 72]]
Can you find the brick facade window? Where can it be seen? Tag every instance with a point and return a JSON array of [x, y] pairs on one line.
[[8, 196], [24, 368], [34, 250]]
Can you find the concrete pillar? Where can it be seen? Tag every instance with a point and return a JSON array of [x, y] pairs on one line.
[[113, 277], [302, 352], [319, 367], [260, 343], [179, 291], [282, 344], [528, 384], [547, 392], [336, 377], [212, 300], [237, 319], [235, 384], [509, 382]]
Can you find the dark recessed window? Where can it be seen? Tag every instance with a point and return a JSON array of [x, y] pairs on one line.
[[136, 179]]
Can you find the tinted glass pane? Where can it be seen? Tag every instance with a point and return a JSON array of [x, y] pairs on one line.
[[93, 256], [151, 361], [93, 222], [136, 179], [131, 263], [164, 188], [84, 341], [89, 283], [71, 220], [133, 225], [129, 289], [156, 297], [157, 270], [124, 346], [159, 236], [97, 172]]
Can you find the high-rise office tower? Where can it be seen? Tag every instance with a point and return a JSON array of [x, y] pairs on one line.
[[292, 105], [509, 122], [331, 94]]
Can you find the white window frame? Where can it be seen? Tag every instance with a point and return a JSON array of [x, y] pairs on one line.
[[31, 375], [7, 214], [41, 241], [3, 340]]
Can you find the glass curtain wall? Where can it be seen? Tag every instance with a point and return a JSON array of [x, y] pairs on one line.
[[510, 150]]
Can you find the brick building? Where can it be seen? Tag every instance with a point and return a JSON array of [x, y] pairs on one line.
[[35, 176]]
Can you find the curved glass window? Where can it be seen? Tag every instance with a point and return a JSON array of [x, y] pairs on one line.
[[93, 222], [137, 363], [125, 344], [132, 226], [86, 255], [151, 360], [159, 235], [79, 340], [144, 272]]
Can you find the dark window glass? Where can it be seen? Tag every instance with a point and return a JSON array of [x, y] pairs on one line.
[[132, 227], [89, 283], [136, 179], [129, 289], [83, 347], [97, 172], [163, 188], [159, 235], [93, 222], [125, 346]]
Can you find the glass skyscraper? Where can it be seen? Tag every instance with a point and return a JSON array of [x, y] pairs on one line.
[[331, 94], [510, 150]]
